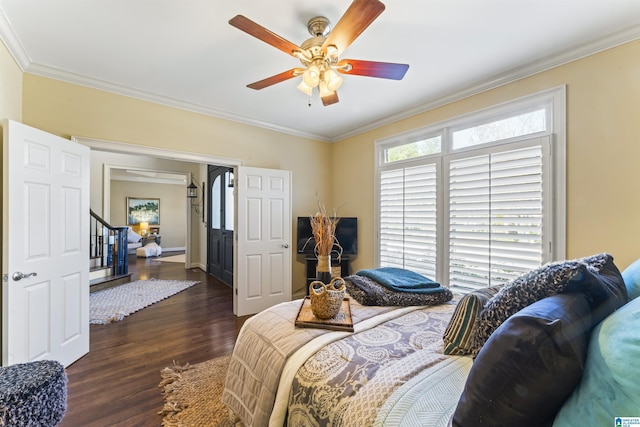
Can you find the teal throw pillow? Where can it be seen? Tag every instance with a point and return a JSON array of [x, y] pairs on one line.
[[609, 387], [631, 276]]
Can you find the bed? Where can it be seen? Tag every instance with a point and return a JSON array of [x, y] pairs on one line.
[[431, 365]]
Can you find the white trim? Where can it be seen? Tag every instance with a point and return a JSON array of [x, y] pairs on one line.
[[614, 40], [555, 101], [125, 148], [12, 42], [163, 153], [17, 50]]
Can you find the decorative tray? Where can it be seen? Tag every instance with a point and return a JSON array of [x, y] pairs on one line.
[[341, 322]]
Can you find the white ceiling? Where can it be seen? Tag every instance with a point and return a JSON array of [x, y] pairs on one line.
[[184, 53]]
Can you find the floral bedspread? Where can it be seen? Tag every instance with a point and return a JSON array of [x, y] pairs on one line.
[[348, 381]]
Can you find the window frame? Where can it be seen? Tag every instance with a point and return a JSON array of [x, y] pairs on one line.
[[553, 100]]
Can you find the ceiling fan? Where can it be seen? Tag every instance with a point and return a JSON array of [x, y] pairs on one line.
[[319, 54]]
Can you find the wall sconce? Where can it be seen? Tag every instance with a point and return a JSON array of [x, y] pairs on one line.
[[192, 195], [192, 191]]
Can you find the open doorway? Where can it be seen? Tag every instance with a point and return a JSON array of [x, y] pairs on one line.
[[221, 224], [195, 231]]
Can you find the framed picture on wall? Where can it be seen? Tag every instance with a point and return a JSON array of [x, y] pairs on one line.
[[143, 210]]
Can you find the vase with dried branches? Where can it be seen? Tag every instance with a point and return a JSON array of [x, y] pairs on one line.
[[323, 228]]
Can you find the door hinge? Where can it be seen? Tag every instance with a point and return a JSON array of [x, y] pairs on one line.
[[236, 291]]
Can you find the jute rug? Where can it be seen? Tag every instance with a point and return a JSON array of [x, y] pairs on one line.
[[113, 304], [192, 394]]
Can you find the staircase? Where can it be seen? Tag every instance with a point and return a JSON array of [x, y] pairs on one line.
[[109, 265]]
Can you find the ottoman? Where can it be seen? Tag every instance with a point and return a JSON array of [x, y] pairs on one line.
[[150, 249], [33, 394]]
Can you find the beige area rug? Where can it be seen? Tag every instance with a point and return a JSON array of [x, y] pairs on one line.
[[113, 304], [173, 258], [192, 394]]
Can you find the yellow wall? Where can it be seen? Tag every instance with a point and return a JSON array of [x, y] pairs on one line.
[[603, 104], [603, 151], [70, 110]]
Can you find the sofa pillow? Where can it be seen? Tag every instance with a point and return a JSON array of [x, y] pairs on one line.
[[458, 334], [631, 276], [529, 366], [550, 279], [609, 387], [133, 237]]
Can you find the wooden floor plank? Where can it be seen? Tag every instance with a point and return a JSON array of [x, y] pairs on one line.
[[116, 383]]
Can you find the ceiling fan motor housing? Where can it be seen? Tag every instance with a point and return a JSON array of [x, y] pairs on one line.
[[319, 26]]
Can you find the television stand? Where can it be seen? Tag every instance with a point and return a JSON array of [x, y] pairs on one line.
[[311, 263]]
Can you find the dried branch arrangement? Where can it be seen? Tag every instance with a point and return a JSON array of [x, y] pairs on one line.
[[323, 228]]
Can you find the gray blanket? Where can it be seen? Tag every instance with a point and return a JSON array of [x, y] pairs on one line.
[[368, 292]]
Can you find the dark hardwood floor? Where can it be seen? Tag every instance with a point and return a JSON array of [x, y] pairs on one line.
[[116, 383]]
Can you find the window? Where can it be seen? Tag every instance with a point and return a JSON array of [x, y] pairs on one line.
[[408, 218], [478, 200], [414, 149], [510, 127]]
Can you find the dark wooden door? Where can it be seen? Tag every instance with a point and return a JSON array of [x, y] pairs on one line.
[[220, 223]]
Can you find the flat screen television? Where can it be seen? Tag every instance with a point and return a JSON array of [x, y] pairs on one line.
[[346, 234]]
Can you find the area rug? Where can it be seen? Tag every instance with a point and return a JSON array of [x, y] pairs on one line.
[[192, 394], [113, 304], [173, 258]]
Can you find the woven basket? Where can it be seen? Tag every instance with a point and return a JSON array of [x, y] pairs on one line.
[[326, 300]]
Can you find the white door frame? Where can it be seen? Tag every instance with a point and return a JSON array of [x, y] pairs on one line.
[[162, 153], [106, 202]]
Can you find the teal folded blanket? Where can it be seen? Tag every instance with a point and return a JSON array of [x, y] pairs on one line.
[[401, 280]]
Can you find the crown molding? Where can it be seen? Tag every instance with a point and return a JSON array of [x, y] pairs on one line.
[[13, 43], [625, 36], [24, 61]]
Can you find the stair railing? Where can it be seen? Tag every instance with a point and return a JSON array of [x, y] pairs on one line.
[[108, 246]]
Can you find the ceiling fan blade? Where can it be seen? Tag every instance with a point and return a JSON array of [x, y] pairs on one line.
[[383, 70], [330, 99], [355, 20], [258, 31], [285, 75]]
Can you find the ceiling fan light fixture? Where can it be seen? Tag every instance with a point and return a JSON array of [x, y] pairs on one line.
[[305, 88], [332, 79], [311, 76], [324, 90], [319, 54]]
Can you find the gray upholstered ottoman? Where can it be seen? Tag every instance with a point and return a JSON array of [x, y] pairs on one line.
[[33, 394]]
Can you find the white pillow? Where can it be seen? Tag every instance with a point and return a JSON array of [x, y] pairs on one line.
[[133, 237]]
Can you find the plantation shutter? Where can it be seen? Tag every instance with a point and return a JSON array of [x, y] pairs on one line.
[[495, 217], [408, 218]]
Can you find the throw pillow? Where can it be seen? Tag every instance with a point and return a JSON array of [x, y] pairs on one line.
[[631, 276], [529, 366], [458, 334], [609, 387], [605, 288], [550, 279], [133, 237]]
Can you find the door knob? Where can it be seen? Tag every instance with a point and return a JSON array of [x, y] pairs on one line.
[[18, 275], [285, 246]]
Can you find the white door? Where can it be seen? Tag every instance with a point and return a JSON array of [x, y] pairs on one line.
[[45, 247], [263, 269]]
